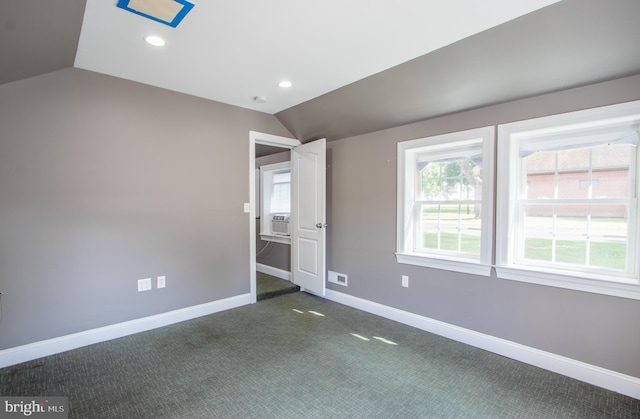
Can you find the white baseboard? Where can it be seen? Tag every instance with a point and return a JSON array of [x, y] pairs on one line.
[[270, 270], [48, 347], [601, 377]]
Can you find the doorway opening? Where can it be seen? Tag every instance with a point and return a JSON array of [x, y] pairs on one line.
[[270, 253], [307, 224], [273, 222]]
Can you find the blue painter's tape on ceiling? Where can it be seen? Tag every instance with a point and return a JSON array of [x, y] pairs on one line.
[[186, 8]]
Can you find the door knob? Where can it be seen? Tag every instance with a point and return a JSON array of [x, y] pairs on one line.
[[319, 225]]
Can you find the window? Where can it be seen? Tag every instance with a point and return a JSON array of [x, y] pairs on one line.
[[445, 201], [567, 200], [281, 191], [275, 200]]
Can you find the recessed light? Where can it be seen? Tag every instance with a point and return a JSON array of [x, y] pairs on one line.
[[285, 83], [154, 40]]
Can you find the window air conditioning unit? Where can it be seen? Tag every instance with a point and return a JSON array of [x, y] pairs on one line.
[[280, 224]]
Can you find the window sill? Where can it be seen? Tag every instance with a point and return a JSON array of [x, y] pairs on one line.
[[467, 267], [552, 279], [276, 239]]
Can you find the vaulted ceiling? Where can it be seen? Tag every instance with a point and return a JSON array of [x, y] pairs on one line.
[[356, 66]]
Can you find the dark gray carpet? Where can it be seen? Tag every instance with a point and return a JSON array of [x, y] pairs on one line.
[[268, 286], [297, 356]]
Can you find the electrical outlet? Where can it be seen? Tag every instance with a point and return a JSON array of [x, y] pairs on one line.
[[162, 281], [405, 281], [144, 284]]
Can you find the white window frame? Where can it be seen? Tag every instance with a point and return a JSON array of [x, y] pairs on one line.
[[406, 200], [509, 136], [266, 187]]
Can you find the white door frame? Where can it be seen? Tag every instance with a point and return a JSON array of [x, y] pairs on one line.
[[274, 141]]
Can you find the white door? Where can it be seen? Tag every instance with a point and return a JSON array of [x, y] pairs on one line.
[[308, 216]]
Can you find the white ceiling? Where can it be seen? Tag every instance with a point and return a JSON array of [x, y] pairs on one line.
[[232, 51]]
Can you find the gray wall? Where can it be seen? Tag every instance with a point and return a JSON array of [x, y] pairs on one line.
[[277, 255], [105, 181], [596, 329]]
